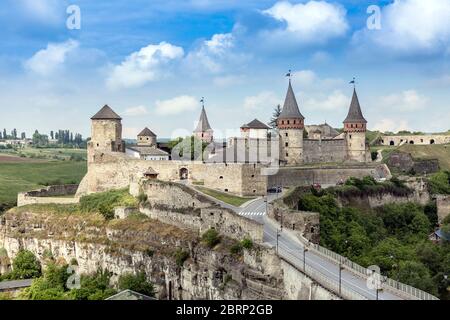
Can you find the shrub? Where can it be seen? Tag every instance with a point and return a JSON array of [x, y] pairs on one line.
[[137, 283], [25, 266], [211, 238], [439, 183], [236, 248], [181, 256], [142, 198], [247, 243]]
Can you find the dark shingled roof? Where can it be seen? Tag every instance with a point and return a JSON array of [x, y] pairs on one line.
[[106, 113], [203, 123], [290, 108], [355, 113], [146, 133], [255, 124]]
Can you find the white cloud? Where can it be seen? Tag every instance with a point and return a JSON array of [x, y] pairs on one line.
[[144, 66], [48, 60], [266, 99], [391, 125], [176, 105], [215, 55], [408, 100], [136, 111], [411, 26], [335, 101], [312, 22]]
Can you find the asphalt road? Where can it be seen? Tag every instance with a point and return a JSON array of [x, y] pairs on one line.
[[291, 249]]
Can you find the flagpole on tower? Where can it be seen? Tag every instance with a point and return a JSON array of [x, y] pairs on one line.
[[353, 82], [203, 102], [289, 74]]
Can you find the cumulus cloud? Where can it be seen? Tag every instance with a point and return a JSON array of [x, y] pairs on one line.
[[391, 125], [408, 100], [311, 22], [215, 55], [263, 100], [176, 105], [410, 27], [136, 111], [335, 101], [48, 60], [144, 66]]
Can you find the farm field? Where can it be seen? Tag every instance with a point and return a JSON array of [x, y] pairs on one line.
[[19, 173]]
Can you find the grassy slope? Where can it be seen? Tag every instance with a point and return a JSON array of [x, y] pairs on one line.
[[440, 152], [225, 197], [22, 176]]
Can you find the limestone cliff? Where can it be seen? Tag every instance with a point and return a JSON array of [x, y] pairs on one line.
[[139, 243]]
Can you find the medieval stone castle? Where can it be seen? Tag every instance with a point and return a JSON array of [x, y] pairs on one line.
[[238, 166]]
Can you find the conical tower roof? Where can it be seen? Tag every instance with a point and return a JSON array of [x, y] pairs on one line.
[[290, 108], [203, 123], [355, 113], [146, 133], [106, 113]]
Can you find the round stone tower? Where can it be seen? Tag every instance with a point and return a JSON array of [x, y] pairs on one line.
[[291, 125], [106, 132], [355, 127]]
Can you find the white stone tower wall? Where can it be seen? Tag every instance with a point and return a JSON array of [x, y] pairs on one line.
[[292, 154]]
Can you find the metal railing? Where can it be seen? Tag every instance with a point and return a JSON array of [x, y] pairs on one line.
[[321, 278], [391, 284]]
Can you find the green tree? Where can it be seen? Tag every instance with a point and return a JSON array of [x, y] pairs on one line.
[[137, 283], [415, 274], [211, 238], [275, 115], [26, 266]]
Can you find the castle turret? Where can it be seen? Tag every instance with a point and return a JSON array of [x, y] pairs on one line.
[[291, 124], [203, 131], [146, 138], [355, 127], [106, 132]]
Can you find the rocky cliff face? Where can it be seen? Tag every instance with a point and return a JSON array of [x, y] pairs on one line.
[[139, 243]]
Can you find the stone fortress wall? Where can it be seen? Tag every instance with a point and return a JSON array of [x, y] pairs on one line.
[[115, 170], [53, 194], [183, 207], [326, 176], [415, 139], [324, 150]]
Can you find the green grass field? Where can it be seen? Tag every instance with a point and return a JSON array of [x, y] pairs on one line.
[[225, 197], [18, 174]]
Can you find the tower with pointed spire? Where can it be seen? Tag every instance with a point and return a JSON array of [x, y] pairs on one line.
[[106, 132], [291, 125], [203, 131], [355, 127]]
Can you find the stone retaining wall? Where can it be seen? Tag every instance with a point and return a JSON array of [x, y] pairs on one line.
[[51, 194]]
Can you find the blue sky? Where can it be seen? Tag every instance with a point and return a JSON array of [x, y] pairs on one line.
[[152, 61]]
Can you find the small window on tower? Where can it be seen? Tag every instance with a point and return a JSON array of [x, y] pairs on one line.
[[287, 154], [287, 144], [350, 136], [288, 122], [286, 134]]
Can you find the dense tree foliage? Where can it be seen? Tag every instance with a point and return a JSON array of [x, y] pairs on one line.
[[440, 183], [394, 237], [25, 266], [137, 283]]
